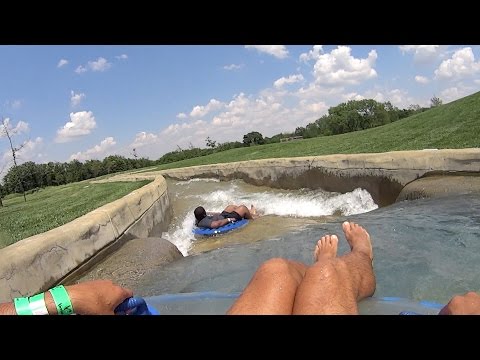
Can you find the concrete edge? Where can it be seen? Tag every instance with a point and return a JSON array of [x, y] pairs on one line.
[[39, 261]]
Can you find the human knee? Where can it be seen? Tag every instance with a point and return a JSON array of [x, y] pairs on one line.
[[275, 265]]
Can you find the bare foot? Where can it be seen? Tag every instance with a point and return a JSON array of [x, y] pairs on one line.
[[326, 247], [358, 238]]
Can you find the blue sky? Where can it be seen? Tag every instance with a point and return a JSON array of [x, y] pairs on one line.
[[87, 102]]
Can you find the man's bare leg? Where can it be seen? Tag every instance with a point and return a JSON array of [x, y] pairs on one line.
[[241, 210], [271, 291], [335, 285]]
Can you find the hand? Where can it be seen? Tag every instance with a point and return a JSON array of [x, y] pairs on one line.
[[232, 220], [467, 304], [97, 297]]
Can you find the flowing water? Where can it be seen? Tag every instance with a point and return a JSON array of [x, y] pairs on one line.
[[425, 249]]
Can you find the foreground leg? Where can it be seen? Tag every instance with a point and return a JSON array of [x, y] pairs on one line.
[[335, 285], [271, 290]]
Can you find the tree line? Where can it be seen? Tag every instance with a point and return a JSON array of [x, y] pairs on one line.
[[29, 176]]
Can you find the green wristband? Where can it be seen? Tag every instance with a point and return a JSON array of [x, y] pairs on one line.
[[62, 300], [22, 306]]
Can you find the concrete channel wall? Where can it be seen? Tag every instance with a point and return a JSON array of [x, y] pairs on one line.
[[383, 175], [36, 263]]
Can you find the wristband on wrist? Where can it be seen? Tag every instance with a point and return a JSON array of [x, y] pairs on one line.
[[33, 305], [37, 304], [62, 300], [22, 306]]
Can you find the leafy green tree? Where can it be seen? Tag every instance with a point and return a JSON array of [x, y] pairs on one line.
[[300, 131], [253, 138], [115, 163]]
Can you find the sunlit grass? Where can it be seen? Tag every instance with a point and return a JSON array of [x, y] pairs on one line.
[[56, 205]]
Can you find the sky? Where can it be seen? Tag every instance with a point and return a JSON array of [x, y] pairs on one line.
[[82, 102]]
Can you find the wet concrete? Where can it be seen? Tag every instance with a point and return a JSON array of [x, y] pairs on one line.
[[134, 259], [437, 185]]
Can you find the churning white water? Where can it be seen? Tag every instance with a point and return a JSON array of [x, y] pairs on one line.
[[215, 195]]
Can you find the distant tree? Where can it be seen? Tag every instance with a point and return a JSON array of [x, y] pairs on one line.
[[435, 101], [253, 138], [414, 107], [299, 131], [9, 133], [210, 143]]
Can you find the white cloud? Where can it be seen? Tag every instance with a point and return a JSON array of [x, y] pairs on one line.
[[319, 107], [30, 151], [143, 138], [267, 113], [455, 92], [96, 152], [352, 96], [289, 80], [81, 123], [75, 99], [21, 127], [233, 67], [279, 51], [462, 64], [201, 111], [181, 116], [122, 57], [312, 54], [80, 69], [62, 62], [100, 65], [477, 81], [421, 79], [340, 67], [423, 53], [398, 97]]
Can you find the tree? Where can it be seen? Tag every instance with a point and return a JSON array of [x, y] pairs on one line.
[[435, 101], [253, 138], [9, 133], [299, 131], [210, 143]]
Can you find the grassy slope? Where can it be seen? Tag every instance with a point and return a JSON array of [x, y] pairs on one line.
[[451, 126], [55, 206]]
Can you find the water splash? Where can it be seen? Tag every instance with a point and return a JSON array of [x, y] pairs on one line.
[[214, 197]]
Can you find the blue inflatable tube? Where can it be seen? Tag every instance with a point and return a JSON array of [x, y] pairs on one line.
[[220, 230], [217, 303], [135, 306]]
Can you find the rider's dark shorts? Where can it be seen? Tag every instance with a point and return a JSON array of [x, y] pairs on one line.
[[232, 214]]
